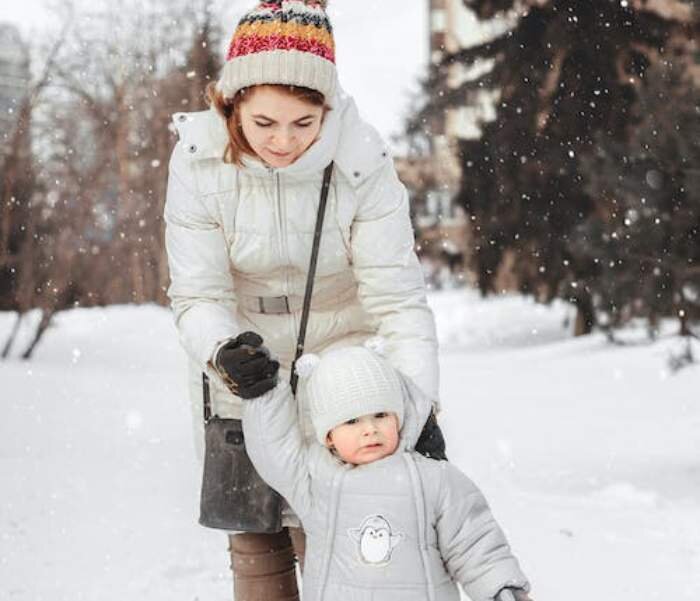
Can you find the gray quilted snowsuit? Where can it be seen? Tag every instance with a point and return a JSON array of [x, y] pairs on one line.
[[404, 528]]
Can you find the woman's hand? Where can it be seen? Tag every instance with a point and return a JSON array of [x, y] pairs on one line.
[[246, 367]]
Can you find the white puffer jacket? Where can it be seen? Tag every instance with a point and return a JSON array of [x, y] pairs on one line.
[[233, 235], [404, 528]]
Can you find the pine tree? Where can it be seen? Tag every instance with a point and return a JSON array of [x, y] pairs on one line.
[[568, 73], [647, 247]]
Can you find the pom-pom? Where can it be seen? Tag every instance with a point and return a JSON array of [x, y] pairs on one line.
[[306, 364], [376, 344]]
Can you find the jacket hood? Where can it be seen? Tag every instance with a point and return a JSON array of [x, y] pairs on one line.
[[356, 147], [417, 408]]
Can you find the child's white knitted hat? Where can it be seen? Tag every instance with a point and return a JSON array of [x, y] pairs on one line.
[[347, 383]]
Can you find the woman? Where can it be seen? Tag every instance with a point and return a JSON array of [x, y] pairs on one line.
[[243, 192]]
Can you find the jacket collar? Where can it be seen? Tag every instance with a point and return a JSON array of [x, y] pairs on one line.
[[203, 134]]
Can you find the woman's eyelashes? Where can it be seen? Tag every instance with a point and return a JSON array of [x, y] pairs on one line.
[[302, 125]]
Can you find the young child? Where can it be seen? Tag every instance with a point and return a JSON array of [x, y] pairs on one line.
[[382, 522]]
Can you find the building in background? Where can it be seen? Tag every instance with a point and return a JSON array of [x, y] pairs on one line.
[[442, 226], [454, 27]]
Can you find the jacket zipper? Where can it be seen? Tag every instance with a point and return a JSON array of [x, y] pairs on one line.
[[286, 263], [331, 521], [283, 235], [280, 225], [422, 522]]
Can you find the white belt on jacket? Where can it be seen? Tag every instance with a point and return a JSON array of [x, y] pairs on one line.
[[272, 305], [278, 305]]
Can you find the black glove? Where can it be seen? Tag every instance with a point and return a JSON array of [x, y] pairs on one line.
[[246, 367]]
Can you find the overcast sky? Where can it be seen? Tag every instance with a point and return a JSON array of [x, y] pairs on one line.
[[381, 47]]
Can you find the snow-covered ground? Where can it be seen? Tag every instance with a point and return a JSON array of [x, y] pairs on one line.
[[589, 454]]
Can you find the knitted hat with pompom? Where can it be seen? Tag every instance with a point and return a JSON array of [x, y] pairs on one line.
[[282, 42], [347, 383]]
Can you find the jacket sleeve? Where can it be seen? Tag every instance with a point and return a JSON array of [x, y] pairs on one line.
[[390, 281], [276, 446], [201, 286], [471, 543]]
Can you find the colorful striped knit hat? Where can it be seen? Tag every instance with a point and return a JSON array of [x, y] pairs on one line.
[[282, 42]]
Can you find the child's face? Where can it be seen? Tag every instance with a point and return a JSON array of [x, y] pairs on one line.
[[365, 439]]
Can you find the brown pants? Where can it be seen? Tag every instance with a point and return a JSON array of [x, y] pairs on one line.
[[264, 565]]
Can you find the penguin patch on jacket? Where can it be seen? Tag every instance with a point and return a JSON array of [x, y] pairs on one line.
[[375, 540]]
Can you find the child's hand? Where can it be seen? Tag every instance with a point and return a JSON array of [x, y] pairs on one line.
[[512, 594], [246, 367]]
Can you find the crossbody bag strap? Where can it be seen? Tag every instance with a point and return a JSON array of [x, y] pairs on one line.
[[306, 309]]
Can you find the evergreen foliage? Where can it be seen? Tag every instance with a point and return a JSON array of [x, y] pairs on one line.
[[644, 252], [582, 87]]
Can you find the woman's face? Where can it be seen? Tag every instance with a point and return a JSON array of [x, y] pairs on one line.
[[278, 127]]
